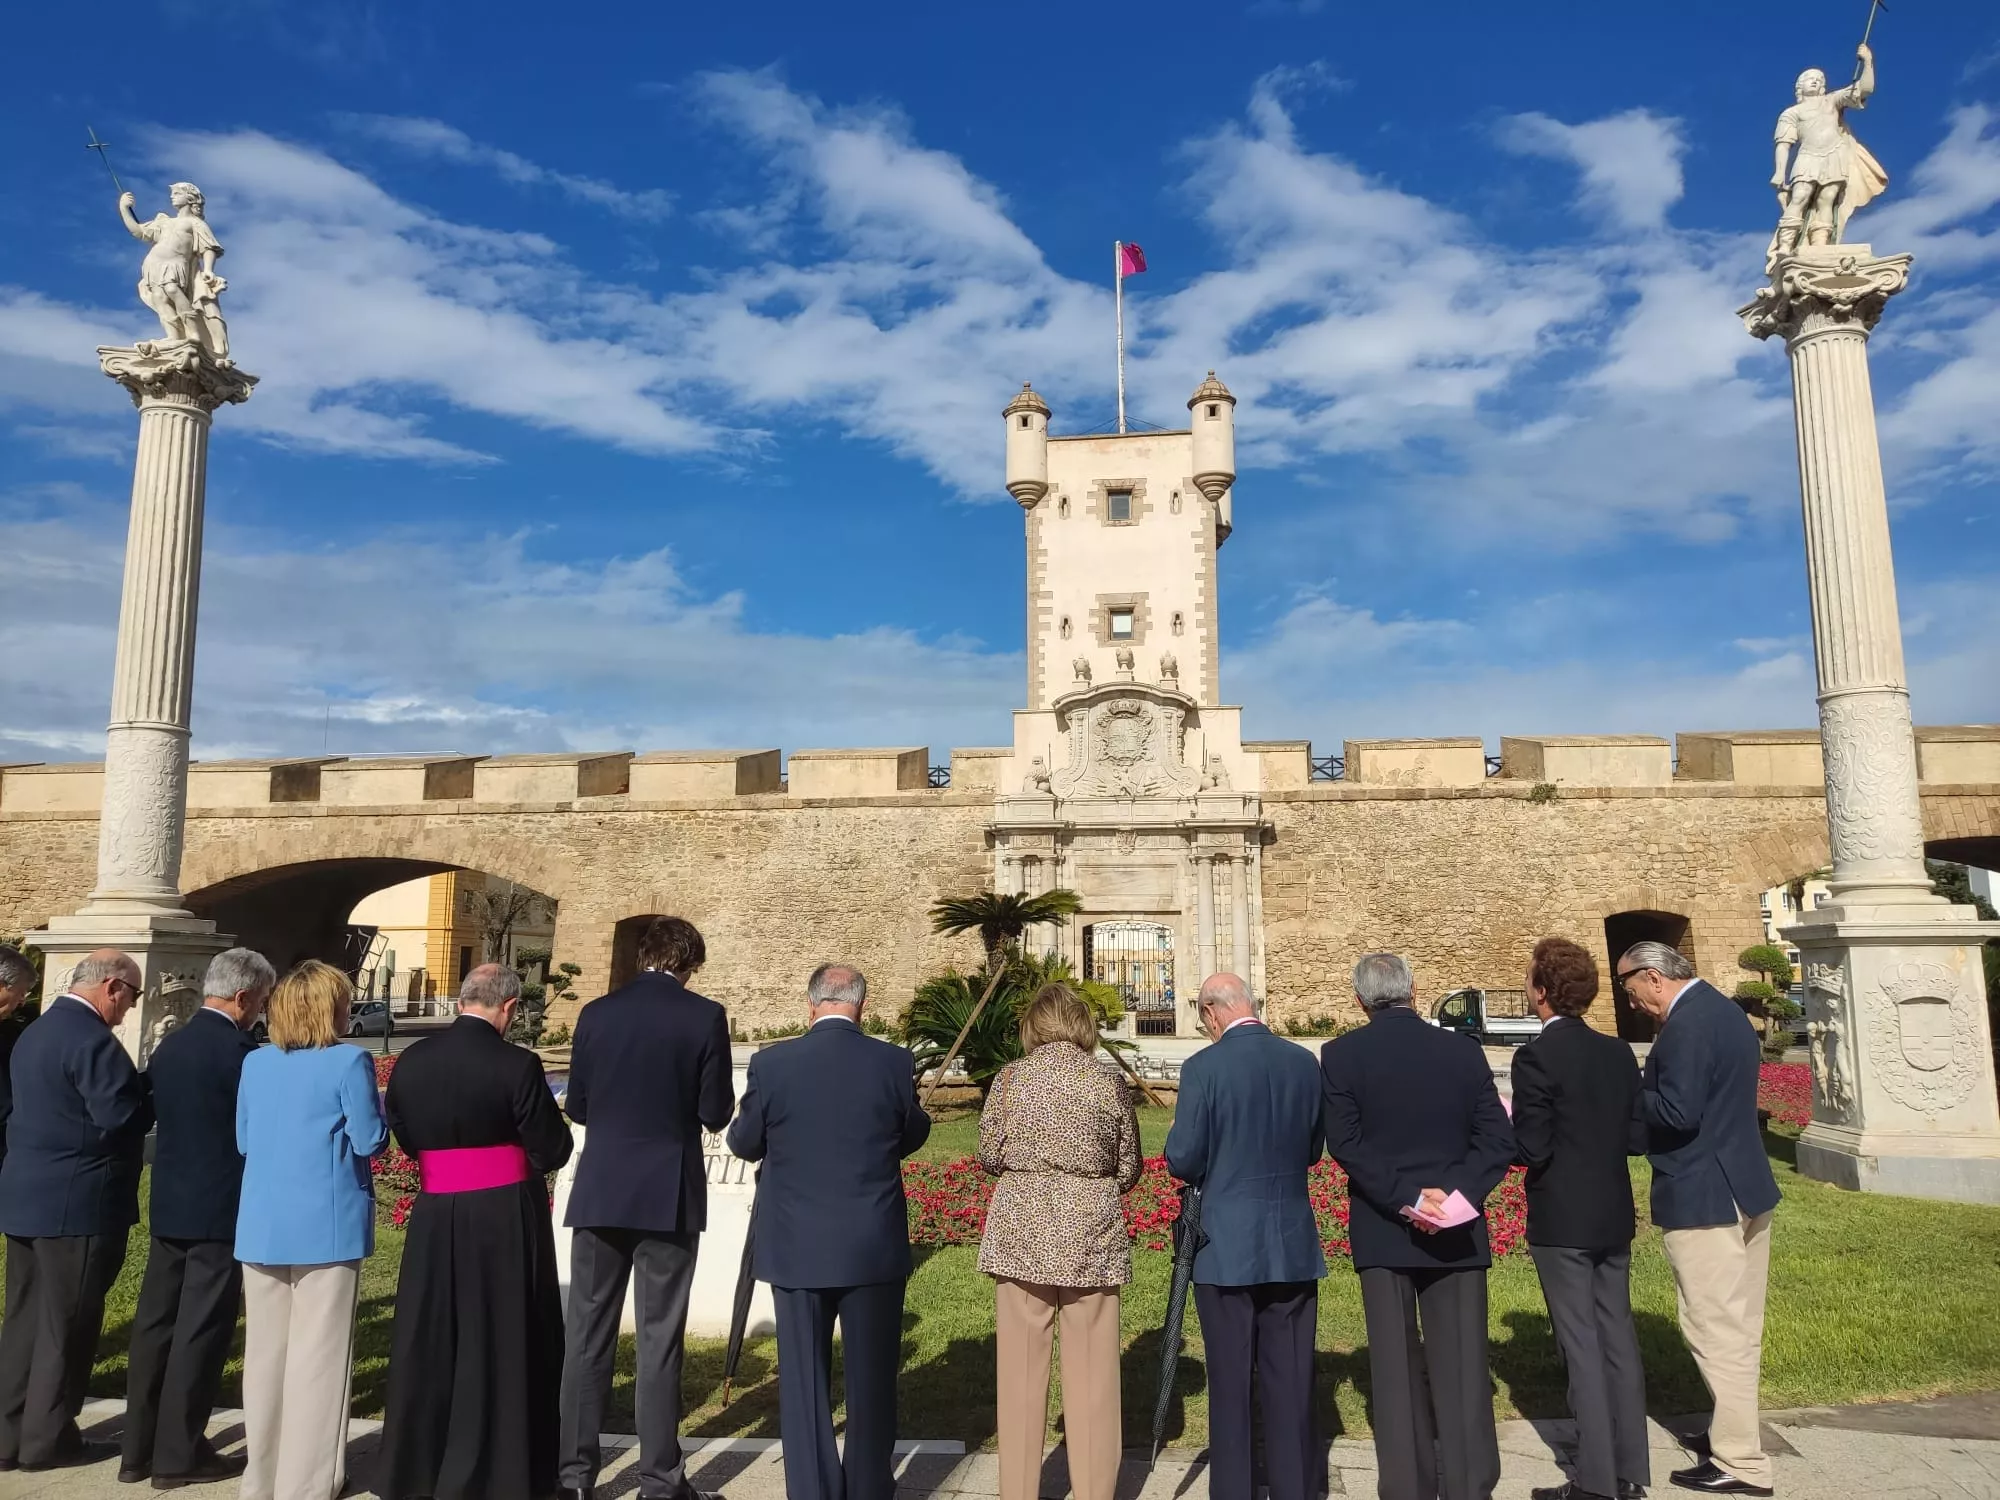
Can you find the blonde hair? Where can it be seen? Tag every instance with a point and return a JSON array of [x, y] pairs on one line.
[[305, 1004], [1056, 1014]]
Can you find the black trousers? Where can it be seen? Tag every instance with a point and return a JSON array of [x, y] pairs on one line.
[[661, 1269], [1589, 1293], [871, 1339], [1433, 1394], [1262, 1335], [180, 1342], [55, 1311]]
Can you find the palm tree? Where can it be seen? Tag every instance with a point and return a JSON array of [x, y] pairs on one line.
[[1001, 920]]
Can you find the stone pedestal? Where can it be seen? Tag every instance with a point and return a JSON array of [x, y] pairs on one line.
[[1903, 1088], [136, 903]]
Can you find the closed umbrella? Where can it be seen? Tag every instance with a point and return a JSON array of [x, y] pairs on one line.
[[1188, 1239], [739, 1309]]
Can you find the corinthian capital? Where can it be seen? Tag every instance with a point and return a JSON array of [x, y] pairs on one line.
[[178, 372], [1825, 287]]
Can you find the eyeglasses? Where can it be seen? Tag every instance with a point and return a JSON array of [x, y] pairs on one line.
[[1631, 974], [128, 985]]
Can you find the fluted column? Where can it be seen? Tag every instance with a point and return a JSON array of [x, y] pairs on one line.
[[1824, 303], [1239, 916], [1204, 913], [1903, 1096]]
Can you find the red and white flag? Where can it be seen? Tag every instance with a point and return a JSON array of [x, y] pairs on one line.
[[1131, 259]]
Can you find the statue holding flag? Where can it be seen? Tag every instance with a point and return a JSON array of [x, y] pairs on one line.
[[1830, 174]]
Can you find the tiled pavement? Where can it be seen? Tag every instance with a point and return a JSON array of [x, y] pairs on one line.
[[1947, 1449]]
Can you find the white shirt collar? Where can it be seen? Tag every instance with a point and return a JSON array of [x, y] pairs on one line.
[[844, 1020], [1241, 1021], [66, 995], [1680, 992]]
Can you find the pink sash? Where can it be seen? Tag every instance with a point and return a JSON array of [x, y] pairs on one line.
[[471, 1169]]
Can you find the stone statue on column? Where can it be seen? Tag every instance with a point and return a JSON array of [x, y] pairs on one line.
[[177, 382], [1904, 1095]]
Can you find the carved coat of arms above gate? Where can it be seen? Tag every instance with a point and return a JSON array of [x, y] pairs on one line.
[[1125, 740]]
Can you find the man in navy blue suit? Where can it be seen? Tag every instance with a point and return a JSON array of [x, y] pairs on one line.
[[69, 1195], [1412, 1116], [187, 1304], [831, 1116], [649, 1071], [1713, 1195], [1247, 1129]]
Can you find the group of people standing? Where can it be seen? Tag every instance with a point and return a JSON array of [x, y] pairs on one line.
[[496, 1391]]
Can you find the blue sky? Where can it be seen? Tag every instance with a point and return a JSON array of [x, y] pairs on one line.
[[631, 375]]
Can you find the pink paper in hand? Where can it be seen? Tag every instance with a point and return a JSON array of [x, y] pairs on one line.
[[1457, 1210]]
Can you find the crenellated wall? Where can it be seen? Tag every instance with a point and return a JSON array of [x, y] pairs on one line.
[[1413, 854]]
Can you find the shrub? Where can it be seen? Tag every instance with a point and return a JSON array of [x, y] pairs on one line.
[[1784, 1090], [1769, 960], [1755, 996], [942, 1005], [1317, 1025]]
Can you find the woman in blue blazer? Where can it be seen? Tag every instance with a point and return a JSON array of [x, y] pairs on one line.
[[307, 1119]]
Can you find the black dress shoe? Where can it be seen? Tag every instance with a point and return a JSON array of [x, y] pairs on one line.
[[1631, 1489], [208, 1469], [1568, 1490], [134, 1473], [75, 1458], [1710, 1480]]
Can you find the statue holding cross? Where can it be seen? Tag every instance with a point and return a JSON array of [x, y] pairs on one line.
[[1822, 173], [178, 280]]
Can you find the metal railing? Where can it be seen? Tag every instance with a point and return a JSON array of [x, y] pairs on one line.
[[940, 775], [1328, 767]]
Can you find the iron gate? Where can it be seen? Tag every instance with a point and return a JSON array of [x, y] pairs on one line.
[[1136, 959]]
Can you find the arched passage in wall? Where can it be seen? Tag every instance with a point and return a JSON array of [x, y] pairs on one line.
[[303, 910], [1621, 931]]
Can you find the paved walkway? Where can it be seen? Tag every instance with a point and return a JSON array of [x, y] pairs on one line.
[[1947, 1449]]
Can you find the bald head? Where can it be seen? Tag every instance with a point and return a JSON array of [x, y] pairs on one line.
[[107, 980], [1224, 1000]]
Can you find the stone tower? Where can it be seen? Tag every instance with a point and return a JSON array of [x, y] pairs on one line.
[[1128, 781]]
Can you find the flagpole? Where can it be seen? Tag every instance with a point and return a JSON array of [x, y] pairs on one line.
[[1118, 296]]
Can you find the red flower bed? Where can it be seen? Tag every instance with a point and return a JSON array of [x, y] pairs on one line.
[[395, 1182], [948, 1203], [1785, 1089], [384, 1066]]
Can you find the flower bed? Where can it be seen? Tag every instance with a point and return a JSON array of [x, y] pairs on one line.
[[948, 1203], [1785, 1089]]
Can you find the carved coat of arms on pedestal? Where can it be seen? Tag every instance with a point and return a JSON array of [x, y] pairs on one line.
[[1125, 740], [1923, 1027]]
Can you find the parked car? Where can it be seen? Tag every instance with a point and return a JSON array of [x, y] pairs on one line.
[[371, 1018], [1493, 1018]]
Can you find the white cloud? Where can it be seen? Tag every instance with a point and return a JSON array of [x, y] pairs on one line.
[[436, 139], [1630, 163]]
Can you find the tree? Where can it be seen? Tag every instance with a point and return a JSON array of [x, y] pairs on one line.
[[1001, 920], [946, 1019], [1769, 960], [497, 909]]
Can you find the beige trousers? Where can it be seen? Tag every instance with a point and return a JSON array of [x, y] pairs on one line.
[[1026, 1316], [298, 1365], [1720, 1274]]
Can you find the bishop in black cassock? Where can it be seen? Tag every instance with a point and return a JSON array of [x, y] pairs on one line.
[[475, 1363]]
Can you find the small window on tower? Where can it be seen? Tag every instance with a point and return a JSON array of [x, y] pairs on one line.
[[1121, 624], [1121, 505], [1024, 418], [1213, 411]]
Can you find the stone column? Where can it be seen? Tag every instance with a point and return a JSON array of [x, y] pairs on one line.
[[1903, 1097], [1204, 913], [136, 903], [1239, 916]]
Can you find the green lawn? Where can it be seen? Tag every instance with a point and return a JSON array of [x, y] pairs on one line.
[[1871, 1298]]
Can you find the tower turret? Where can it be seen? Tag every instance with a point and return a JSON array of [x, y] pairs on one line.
[[1213, 413], [1027, 418]]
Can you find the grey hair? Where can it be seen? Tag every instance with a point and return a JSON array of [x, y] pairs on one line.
[[237, 970], [1384, 979], [1230, 991], [489, 987], [837, 984], [1671, 963], [94, 970], [16, 973]]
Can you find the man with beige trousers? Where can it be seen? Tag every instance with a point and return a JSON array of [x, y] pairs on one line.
[[1713, 1196]]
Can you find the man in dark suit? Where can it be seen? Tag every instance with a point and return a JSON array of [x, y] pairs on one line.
[[831, 1116], [1713, 1195], [649, 1070], [17, 979], [1412, 1116], [1246, 1131], [69, 1195], [1576, 1119], [187, 1304]]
